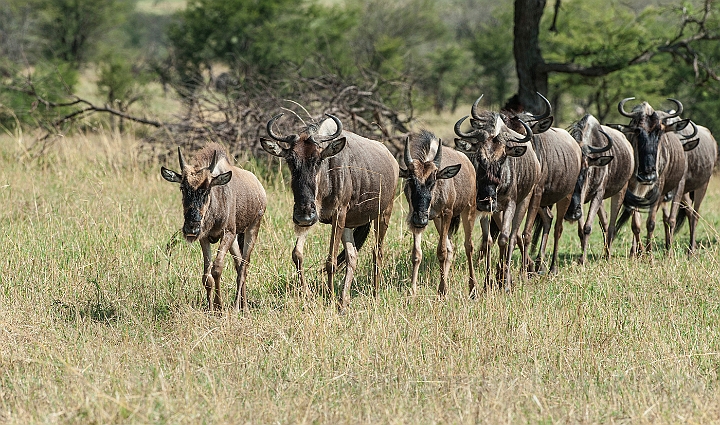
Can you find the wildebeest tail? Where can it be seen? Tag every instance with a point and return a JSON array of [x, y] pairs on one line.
[[537, 231], [624, 217], [494, 229], [360, 234], [454, 225], [680, 219]]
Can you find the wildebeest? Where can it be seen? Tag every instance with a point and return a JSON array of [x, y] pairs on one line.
[[560, 157], [505, 176], [351, 181], [701, 161], [222, 203], [439, 186], [660, 166], [601, 177]]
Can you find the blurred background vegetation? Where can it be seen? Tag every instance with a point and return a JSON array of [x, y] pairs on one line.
[[221, 68]]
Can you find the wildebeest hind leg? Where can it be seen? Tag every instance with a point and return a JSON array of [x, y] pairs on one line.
[[694, 214], [444, 251], [242, 262], [338, 224], [468, 220], [562, 207], [381, 226], [351, 258]]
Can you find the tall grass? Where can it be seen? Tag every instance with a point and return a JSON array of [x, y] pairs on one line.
[[102, 318]]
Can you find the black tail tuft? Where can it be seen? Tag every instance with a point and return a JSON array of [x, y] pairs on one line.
[[624, 217], [454, 225], [494, 229], [537, 231], [360, 234], [680, 219]]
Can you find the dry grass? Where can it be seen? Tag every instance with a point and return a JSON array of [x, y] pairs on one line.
[[102, 319]]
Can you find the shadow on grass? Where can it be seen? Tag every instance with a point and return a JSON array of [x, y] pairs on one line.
[[98, 309]]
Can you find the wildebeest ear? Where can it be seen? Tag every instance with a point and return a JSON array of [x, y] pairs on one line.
[[464, 145], [600, 161], [170, 175], [678, 125], [515, 151], [404, 173], [543, 125], [692, 144], [333, 148], [271, 147], [221, 179], [449, 171]]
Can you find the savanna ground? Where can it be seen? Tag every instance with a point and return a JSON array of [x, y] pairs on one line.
[[102, 318]]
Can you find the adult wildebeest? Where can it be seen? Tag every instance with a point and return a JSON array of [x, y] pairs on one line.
[[222, 203], [660, 166], [506, 173], [560, 157], [439, 186], [601, 177], [701, 161], [351, 180]]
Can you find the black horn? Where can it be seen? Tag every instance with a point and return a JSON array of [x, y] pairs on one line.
[[694, 133], [546, 112], [213, 163], [287, 139], [339, 126], [621, 108], [460, 133], [528, 134], [474, 110], [438, 155], [678, 110], [592, 149], [407, 156], [182, 160]]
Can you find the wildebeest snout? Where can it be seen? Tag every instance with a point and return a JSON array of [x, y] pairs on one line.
[[419, 219], [305, 215], [191, 227], [648, 176]]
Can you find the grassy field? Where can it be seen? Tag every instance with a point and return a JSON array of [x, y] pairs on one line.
[[102, 318]]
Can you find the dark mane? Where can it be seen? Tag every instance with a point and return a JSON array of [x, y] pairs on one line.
[[420, 145], [577, 128]]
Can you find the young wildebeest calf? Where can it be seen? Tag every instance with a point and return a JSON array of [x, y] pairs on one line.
[[221, 203], [440, 187], [348, 183]]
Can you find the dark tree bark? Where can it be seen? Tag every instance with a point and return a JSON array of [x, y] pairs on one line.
[[530, 65]]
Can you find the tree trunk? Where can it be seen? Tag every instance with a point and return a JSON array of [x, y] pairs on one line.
[[529, 63]]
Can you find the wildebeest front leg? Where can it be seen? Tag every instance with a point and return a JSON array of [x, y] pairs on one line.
[[546, 218], [217, 268], [636, 223], [207, 279], [351, 261], [650, 225], [586, 230], [503, 268], [416, 257], [485, 247], [533, 209], [468, 220], [297, 257], [444, 250]]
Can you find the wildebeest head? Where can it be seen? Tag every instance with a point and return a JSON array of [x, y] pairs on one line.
[[195, 186], [304, 156], [421, 174], [489, 144], [644, 132], [585, 131]]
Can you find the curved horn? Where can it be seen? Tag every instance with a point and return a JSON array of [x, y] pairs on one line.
[[182, 160], [592, 149], [474, 110], [528, 134], [287, 139], [213, 163], [407, 156], [548, 108], [678, 110], [460, 133], [438, 155], [621, 108], [339, 126], [694, 133]]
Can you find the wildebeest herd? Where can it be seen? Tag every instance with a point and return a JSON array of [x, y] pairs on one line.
[[508, 166]]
